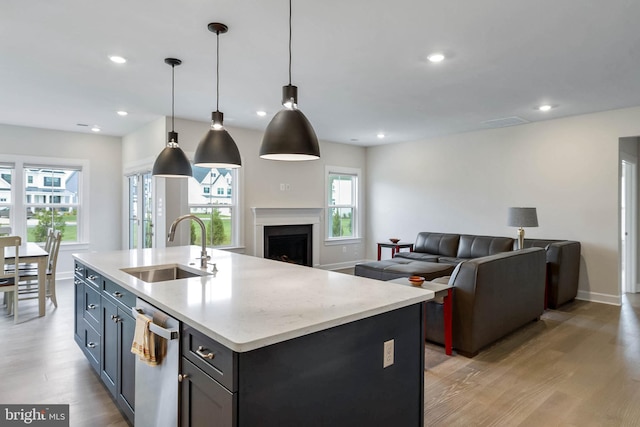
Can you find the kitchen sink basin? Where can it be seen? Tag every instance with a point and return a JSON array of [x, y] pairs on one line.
[[162, 273]]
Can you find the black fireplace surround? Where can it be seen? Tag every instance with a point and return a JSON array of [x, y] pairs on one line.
[[289, 243]]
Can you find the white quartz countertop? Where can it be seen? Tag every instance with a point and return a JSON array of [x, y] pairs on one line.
[[253, 302]]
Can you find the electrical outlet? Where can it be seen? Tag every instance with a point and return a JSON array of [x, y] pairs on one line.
[[281, 187], [344, 249], [287, 187], [387, 358]]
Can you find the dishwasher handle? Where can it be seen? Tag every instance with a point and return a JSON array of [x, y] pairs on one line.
[[169, 334]]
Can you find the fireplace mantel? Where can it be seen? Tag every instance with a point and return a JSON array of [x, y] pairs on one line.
[[286, 216]]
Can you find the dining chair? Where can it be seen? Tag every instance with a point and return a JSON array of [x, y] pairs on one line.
[[47, 247], [9, 278], [29, 277]]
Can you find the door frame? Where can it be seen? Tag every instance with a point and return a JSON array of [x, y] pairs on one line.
[[628, 257]]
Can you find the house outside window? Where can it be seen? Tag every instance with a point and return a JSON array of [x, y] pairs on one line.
[[52, 200], [342, 203], [6, 172], [213, 198]]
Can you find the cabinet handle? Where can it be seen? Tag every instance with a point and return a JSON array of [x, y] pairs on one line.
[[182, 377], [79, 269], [77, 282], [117, 294], [200, 352], [91, 345], [92, 277], [91, 306], [115, 318]]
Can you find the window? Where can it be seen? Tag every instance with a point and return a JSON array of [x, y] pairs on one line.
[[213, 198], [140, 213], [52, 201], [30, 179], [5, 195], [342, 203]]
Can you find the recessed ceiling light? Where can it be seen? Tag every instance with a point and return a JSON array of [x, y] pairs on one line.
[[122, 113], [545, 107], [95, 129], [436, 57], [117, 59], [380, 135], [261, 113]]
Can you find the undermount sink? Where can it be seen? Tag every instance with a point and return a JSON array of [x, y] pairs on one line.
[[162, 273]]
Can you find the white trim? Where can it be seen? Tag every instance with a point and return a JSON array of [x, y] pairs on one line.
[[343, 241], [598, 297], [340, 265], [287, 216], [358, 205], [631, 217], [18, 221]]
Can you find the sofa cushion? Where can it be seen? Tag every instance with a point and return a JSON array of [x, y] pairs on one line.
[[428, 270], [437, 243], [417, 256], [480, 246]]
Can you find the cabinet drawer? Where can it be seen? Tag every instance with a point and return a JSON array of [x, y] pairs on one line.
[[213, 358], [92, 347], [92, 307], [120, 294], [78, 270], [92, 277]]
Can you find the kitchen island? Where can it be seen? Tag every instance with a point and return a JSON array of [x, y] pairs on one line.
[[300, 346]]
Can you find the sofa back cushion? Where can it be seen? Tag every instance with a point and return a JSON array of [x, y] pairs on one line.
[[437, 243], [478, 246]]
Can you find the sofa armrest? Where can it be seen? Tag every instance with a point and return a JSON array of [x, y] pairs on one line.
[[563, 270]]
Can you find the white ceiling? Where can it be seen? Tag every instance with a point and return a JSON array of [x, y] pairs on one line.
[[360, 65]]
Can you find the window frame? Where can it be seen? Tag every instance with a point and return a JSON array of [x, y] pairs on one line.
[[19, 205], [356, 217]]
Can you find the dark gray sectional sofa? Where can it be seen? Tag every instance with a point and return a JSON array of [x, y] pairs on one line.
[[493, 296], [434, 255], [496, 289]]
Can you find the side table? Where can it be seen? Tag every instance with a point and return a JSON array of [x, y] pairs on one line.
[[395, 248], [444, 291]]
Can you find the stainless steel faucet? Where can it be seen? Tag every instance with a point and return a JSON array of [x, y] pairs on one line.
[[172, 232]]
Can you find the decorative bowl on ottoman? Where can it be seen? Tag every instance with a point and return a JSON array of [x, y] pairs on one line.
[[394, 241], [416, 280]]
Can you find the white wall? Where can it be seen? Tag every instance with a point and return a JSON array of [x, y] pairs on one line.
[[566, 168], [104, 156], [261, 178]]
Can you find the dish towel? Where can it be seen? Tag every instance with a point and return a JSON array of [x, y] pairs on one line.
[[144, 344]]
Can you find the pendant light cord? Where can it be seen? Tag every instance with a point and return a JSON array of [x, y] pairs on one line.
[[217, 70], [173, 67], [289, 42]]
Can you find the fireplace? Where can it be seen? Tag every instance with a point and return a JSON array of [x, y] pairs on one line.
[[266, 217], [289, 243]]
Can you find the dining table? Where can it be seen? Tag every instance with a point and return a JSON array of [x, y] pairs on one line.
[[29, 252]]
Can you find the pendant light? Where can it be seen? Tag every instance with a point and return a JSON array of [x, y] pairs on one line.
[[289, 136], [172, 162], [217, 149]]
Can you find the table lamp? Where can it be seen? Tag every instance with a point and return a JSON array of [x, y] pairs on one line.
[[522, 217]]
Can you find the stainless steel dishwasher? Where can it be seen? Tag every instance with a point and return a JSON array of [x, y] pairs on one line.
[[157, 386]]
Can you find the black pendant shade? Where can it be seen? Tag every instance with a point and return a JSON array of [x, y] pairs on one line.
[[290, 136], [172, 162], [217, 149]]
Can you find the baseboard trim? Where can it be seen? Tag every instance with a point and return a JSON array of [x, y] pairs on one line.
[[339, 265], [598, 297]]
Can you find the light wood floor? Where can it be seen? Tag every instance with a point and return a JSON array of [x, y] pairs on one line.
[[40, 363], [578, 366]]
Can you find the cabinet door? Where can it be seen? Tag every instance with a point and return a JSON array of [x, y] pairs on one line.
[[78, 329], [109, 372], [204, 401], [126, 364]]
